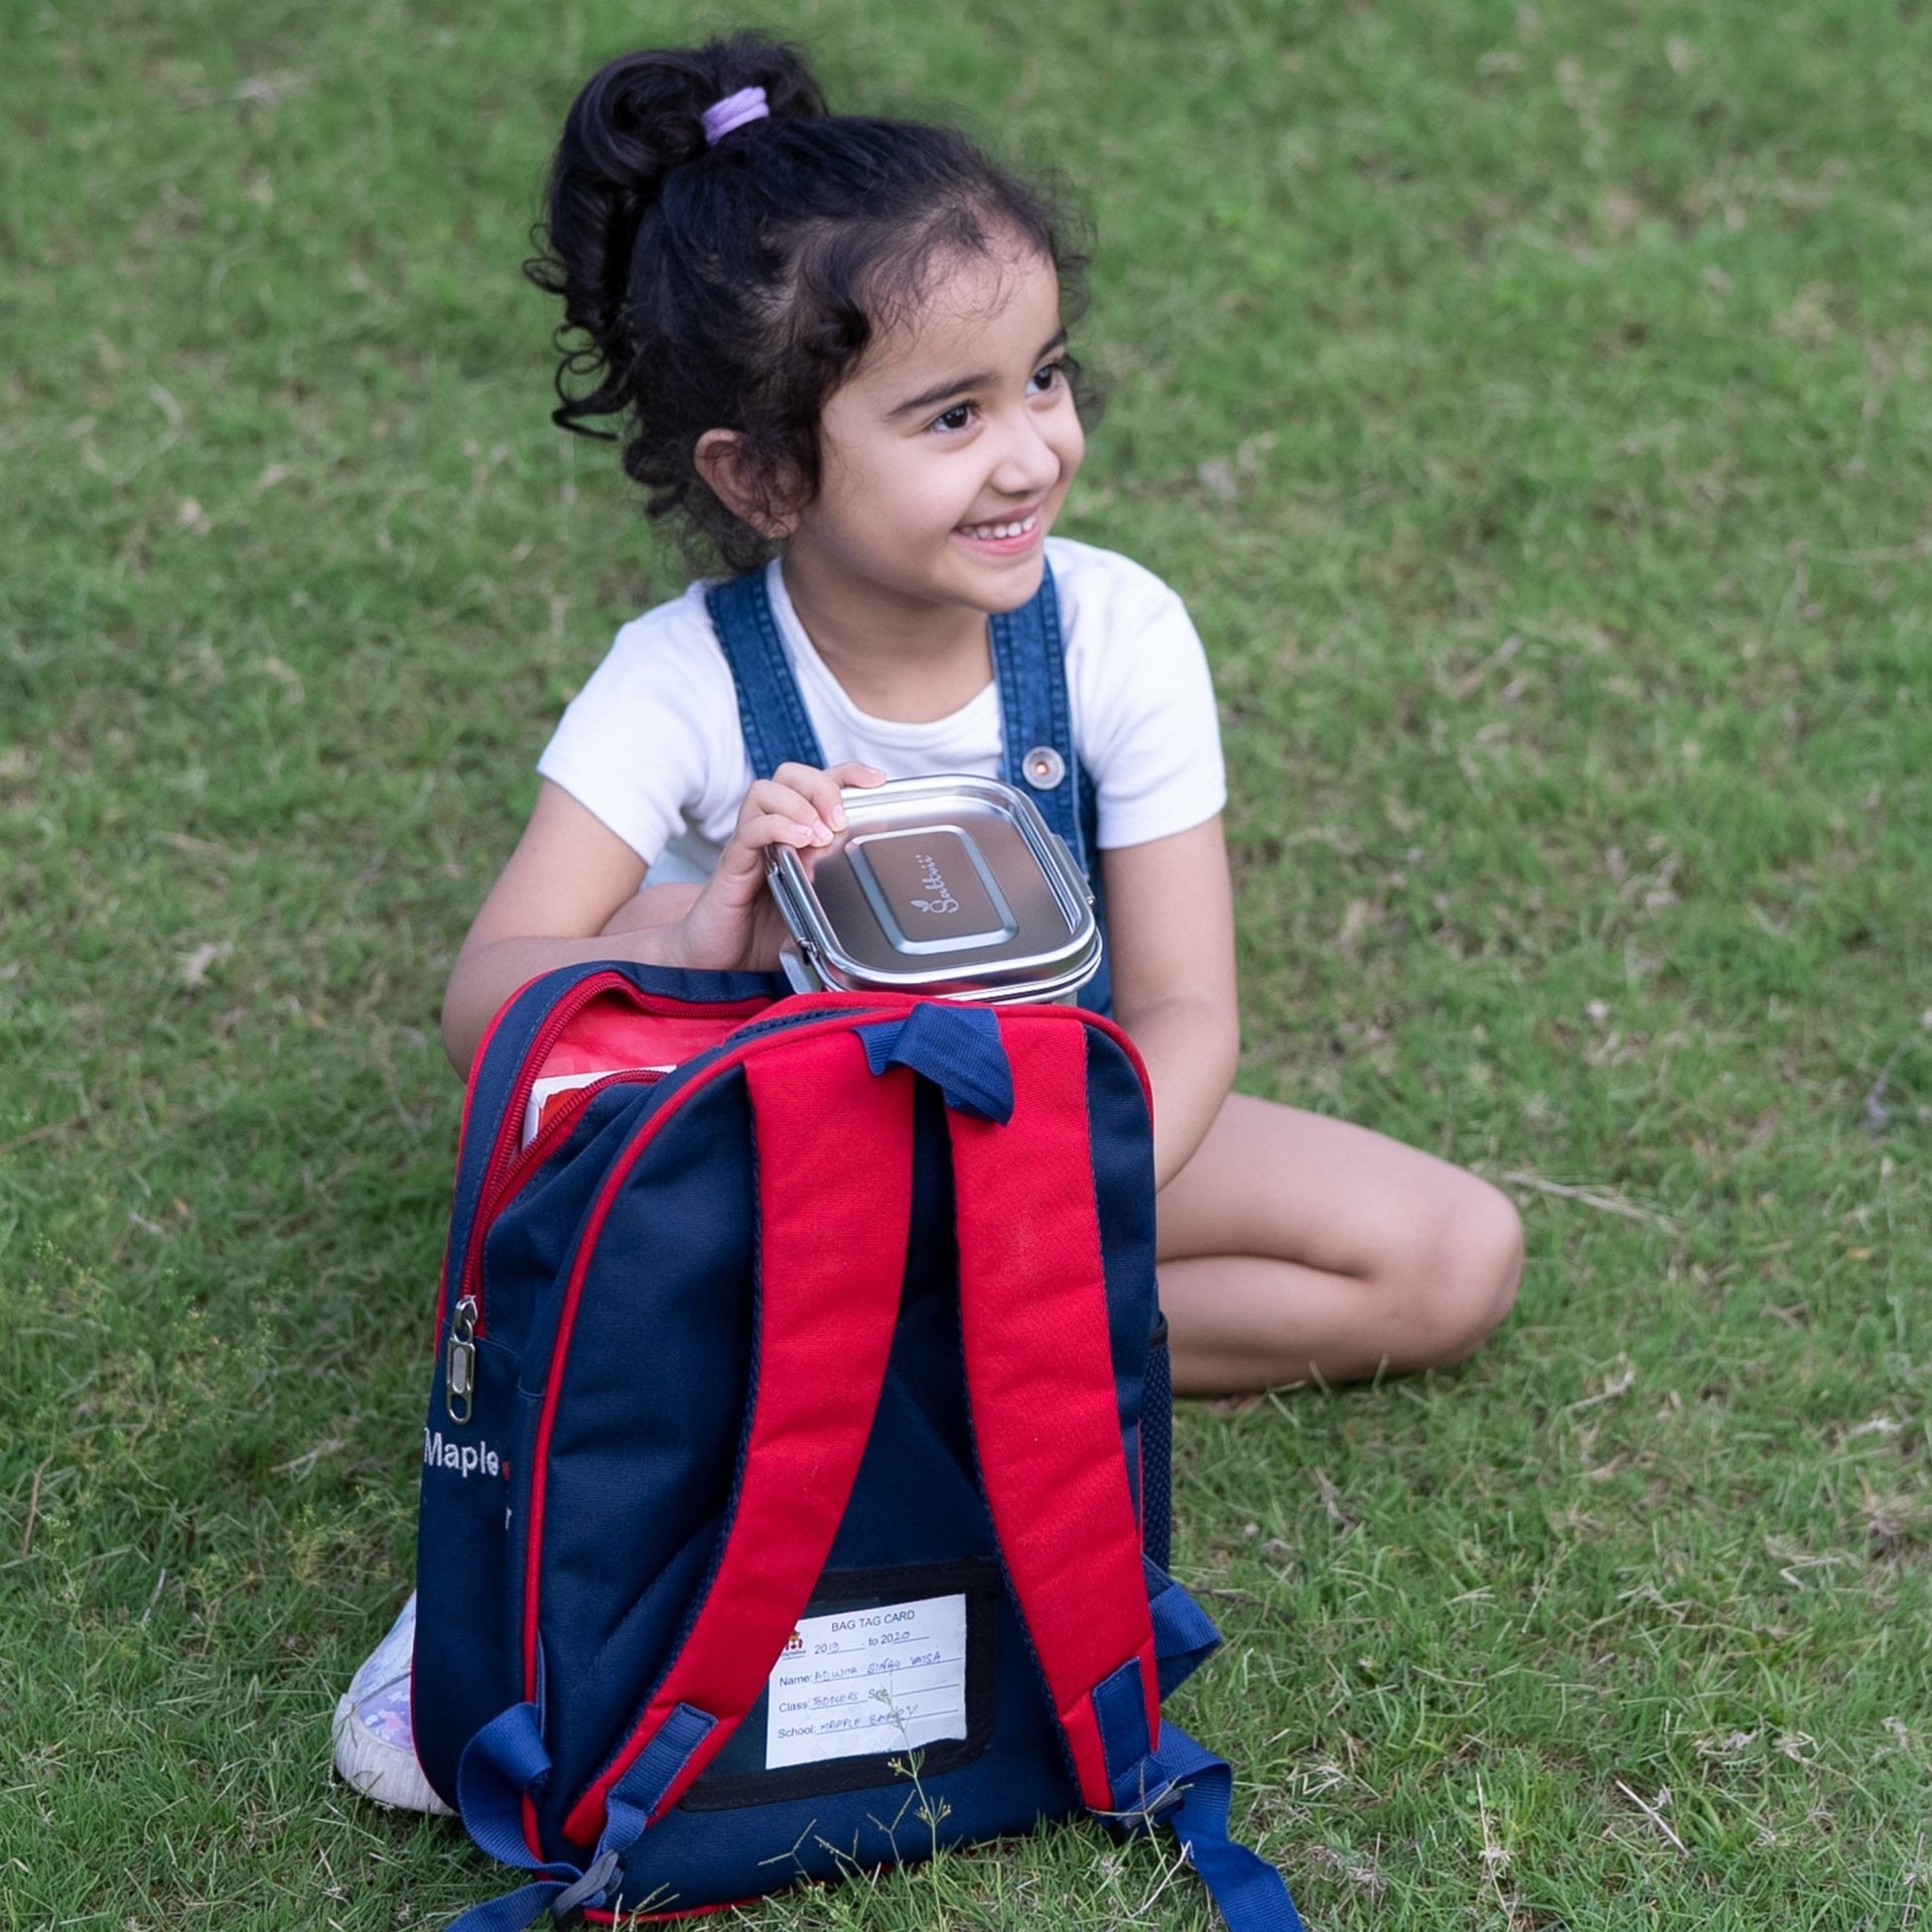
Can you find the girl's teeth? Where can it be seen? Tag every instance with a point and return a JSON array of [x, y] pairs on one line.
[[997, 530]]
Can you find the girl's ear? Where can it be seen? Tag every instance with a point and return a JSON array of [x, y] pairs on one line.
[[748, 491]]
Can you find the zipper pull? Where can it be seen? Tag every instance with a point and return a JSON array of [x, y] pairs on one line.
[[460, 1364]]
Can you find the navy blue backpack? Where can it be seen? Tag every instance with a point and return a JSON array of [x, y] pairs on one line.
[[795, 1483]]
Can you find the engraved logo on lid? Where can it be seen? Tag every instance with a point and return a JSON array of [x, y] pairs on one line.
[[934, 881], [931, 890]]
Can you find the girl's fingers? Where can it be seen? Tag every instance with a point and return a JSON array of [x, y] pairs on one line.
[[753, 835], [798, 806], [773, 799], [822, 789], [772, 815]]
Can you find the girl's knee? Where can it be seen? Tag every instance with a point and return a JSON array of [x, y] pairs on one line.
[[1483, 1262], [1465, 1272]]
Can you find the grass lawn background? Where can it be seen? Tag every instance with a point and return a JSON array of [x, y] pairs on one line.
[[1532, 403]]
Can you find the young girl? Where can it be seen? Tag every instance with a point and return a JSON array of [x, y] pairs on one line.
[[838, 350]]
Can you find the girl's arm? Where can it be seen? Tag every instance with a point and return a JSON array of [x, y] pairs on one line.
[[567, 896], [1171, 941]]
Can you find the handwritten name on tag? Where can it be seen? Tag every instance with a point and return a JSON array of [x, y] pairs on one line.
[[853, 1682]]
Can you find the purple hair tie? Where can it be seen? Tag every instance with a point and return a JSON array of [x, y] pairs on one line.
[[734, 111]]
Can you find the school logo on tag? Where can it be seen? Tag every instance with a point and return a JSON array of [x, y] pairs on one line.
[[796, 1642]]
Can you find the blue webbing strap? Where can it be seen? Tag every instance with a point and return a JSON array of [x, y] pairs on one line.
[[1120, 1706], [1181, 1784], [1029, 668], [1249, 1892], [957, 1048], [1189, 1790], [1184, 1636], [505, 1761]]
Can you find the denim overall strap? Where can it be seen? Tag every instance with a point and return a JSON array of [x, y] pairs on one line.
[[1036, 716], [1037, 730], [770, 710]]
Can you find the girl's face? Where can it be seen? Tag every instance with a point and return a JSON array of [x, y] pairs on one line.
[[947, 453]]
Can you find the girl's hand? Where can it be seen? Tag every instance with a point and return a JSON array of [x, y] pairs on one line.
[[734, 923]]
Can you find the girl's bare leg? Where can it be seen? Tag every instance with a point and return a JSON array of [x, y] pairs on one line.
[[1294, 1248]]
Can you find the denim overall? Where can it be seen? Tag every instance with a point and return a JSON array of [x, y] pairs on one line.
[[1035, 720]]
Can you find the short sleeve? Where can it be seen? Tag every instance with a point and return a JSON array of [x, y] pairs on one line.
[[651, 744], [1148, 729]]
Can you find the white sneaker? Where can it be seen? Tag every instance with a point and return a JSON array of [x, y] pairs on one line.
[[375, 1743]]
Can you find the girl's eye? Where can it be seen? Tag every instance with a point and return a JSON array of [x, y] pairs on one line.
[[959, 417], [1047, 377]]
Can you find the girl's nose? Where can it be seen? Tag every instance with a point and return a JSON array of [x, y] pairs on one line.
[[1029, 463]]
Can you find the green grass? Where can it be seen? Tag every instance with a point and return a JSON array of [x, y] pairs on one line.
[[1532, 403]]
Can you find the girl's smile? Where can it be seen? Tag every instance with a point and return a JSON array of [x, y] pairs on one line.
[[1010, 538]]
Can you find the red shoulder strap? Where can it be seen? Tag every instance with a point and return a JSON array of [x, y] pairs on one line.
[[833, 1221], [1040, 1383]]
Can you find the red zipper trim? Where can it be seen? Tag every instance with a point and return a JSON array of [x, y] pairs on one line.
[[503, 1155], [558, 1122], [509, 1122], [852, 1011], [496, 1195], [463, 1135], [525, 1077], [528, 1159], [562, 1115]]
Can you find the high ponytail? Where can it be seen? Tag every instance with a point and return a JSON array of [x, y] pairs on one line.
[[635, 121], [734, 286]]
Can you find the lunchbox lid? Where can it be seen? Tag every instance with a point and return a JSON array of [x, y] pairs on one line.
[[943, 884]]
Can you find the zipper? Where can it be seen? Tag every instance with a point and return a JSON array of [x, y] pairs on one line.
[[563, 1114], [460, 1364], [503, 1153], [554, 1022], [497, 1195]]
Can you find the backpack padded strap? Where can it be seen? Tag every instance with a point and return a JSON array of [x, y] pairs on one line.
[[1040, 1379], [833, 1221]]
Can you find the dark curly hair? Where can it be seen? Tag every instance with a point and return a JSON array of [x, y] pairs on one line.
[[735, 286]]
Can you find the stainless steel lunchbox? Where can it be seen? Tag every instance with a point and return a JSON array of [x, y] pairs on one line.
[[950, 886]]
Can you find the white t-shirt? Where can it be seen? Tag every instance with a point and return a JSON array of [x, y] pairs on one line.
[[652, 744]]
